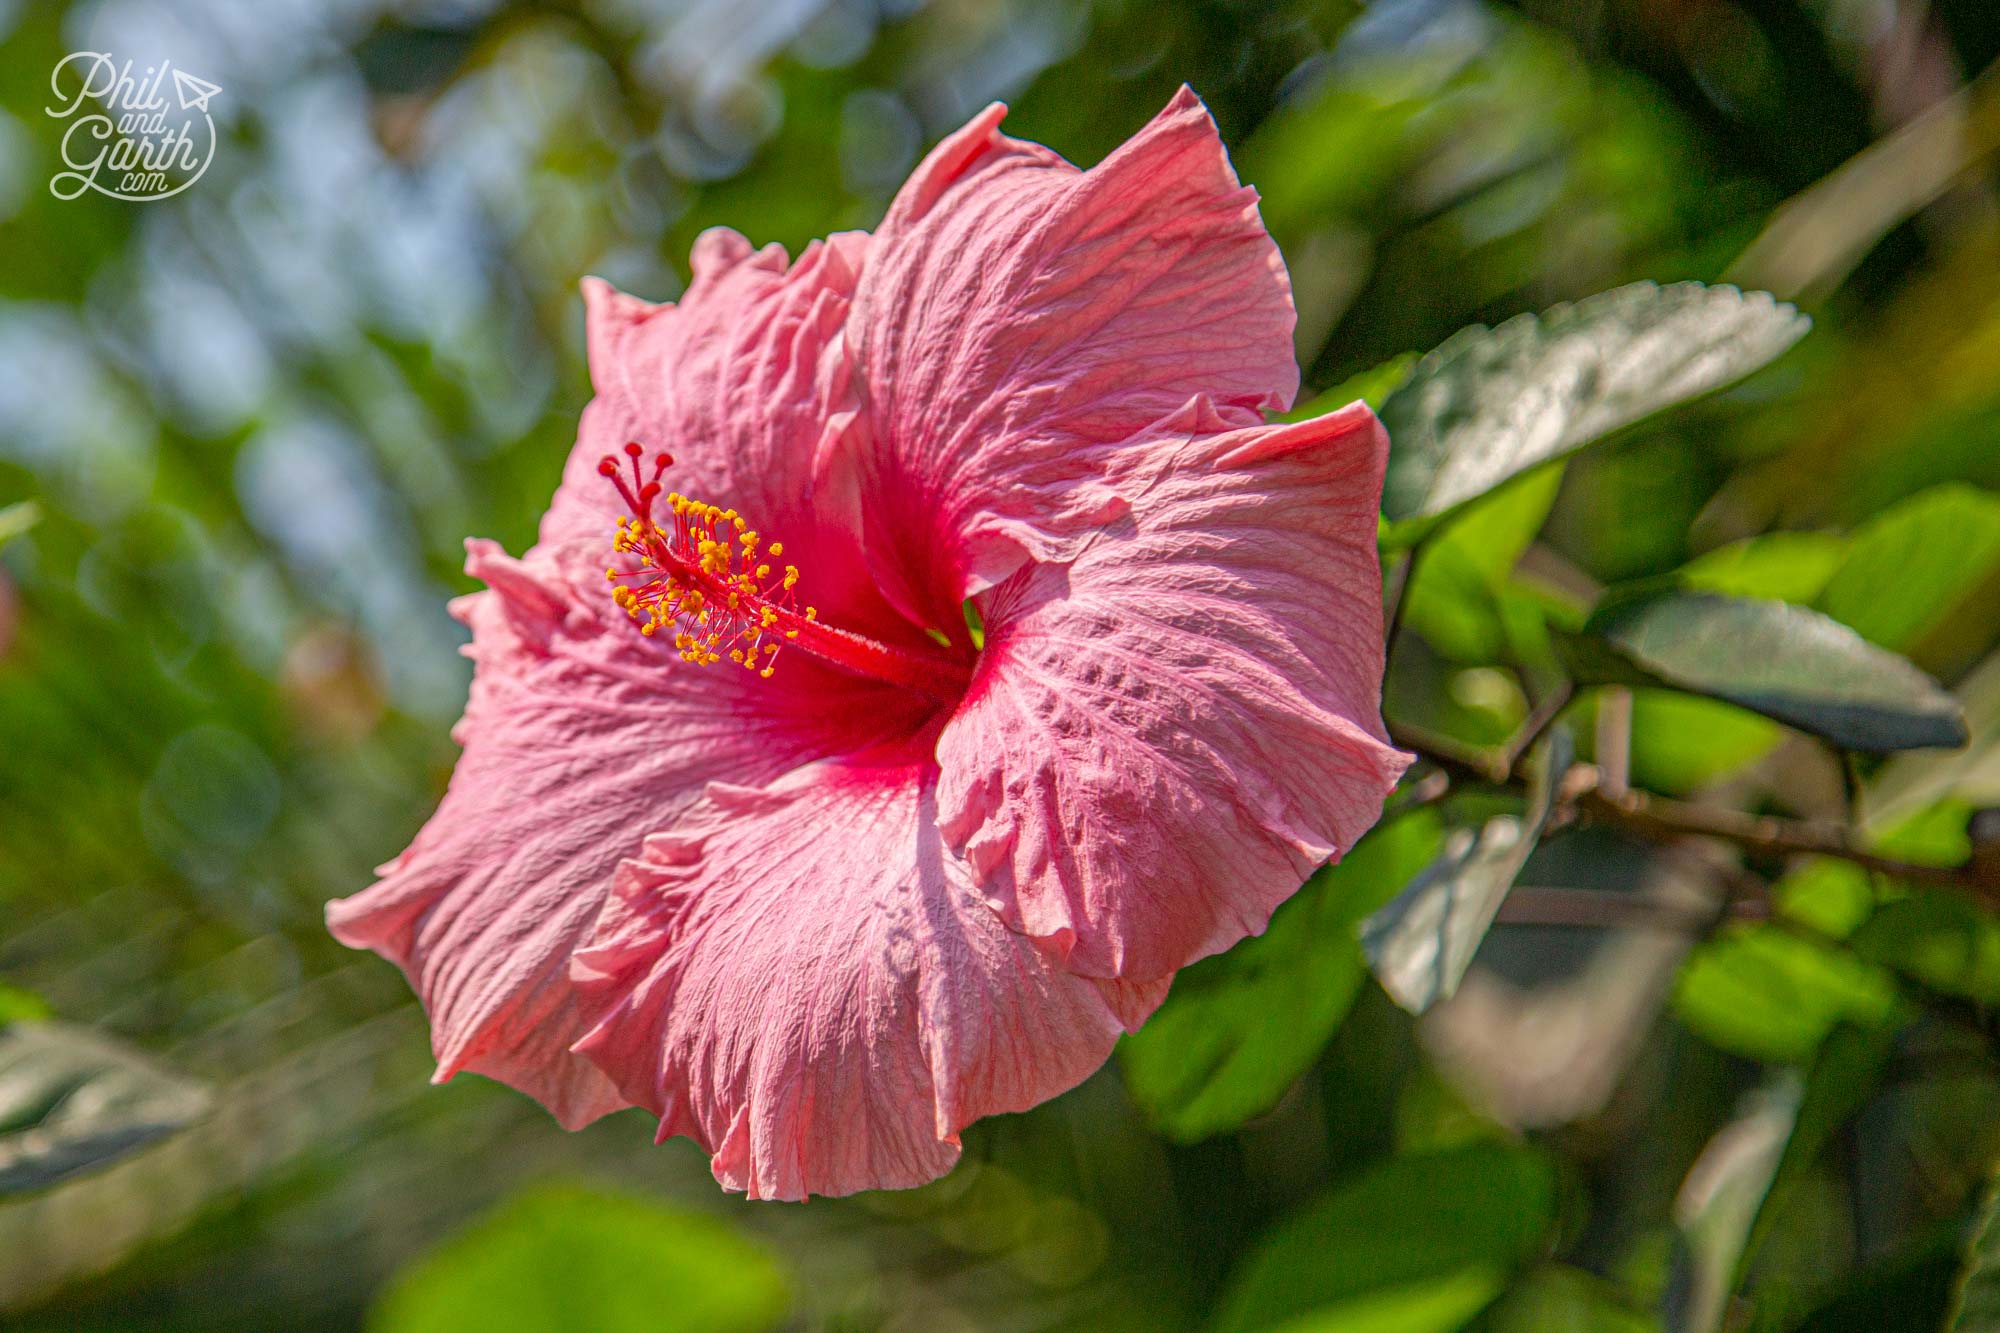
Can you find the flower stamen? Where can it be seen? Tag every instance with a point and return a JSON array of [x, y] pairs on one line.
[[703, 576]]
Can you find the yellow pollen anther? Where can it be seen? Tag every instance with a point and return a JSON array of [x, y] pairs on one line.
[[688, 582]]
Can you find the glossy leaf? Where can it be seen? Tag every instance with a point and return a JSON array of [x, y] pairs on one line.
[[1488, 404], [72, 1101], [1787, 662], [1418, 1244], [1421, 942], [1211, 1058], [565, 1259]]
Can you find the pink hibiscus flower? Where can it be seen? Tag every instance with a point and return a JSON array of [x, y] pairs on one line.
[[821, 913]]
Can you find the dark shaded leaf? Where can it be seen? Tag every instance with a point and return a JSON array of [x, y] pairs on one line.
[[1975, 1307], [1417, 1244], [1422, 941], [1789, 663], [1911, 1288], [1844, 1075], [1490, 403], [1558, 1299], [559, 1259], [1211, 1058], [72, 1101], [1942, 940], [1718, 1203]]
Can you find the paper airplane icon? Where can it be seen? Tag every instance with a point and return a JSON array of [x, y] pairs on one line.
[[194, 93]]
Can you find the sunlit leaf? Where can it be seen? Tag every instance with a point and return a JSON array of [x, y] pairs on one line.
[[1372, 386], [1454, 596], [1789, 663], [565, 1259], [17, 1005], [1789, 566], [1763, 992], [16, 519], [72, 1101], [1361, 1258], [1421, 942], [1491, 403], [1211, 1058], [1681, 742], [1912, 565]]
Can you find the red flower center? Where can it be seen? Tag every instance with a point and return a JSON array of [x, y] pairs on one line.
[[710, 578]]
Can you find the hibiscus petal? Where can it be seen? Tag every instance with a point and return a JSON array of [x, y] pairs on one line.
[[580, 739], [1165, 736], [745, 381], [800, 978], [1019, 321], [738, 379]]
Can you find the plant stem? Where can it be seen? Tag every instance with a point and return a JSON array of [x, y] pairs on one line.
[[1660, 818]]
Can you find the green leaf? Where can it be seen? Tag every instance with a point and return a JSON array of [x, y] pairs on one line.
[[1455, 592], [16, 519], [1682, 742], [1786, 662], [1766, 993], [1976, 1305], [72, 1101], [566, 1259], [1372, 386], [1718, 1204], [1211, 1058], [1940, 939], [1790, 566], [1417, 1245], [1558, 1299], [1490, 403], [1844, 1075], [1911, 1288], [20, 1006], [1911, 784], [1914, 564], [1422, 941]]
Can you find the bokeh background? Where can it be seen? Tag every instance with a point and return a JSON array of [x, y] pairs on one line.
[[258, 419]]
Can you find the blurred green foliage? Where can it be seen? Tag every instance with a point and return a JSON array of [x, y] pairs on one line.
[[244, 432]]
